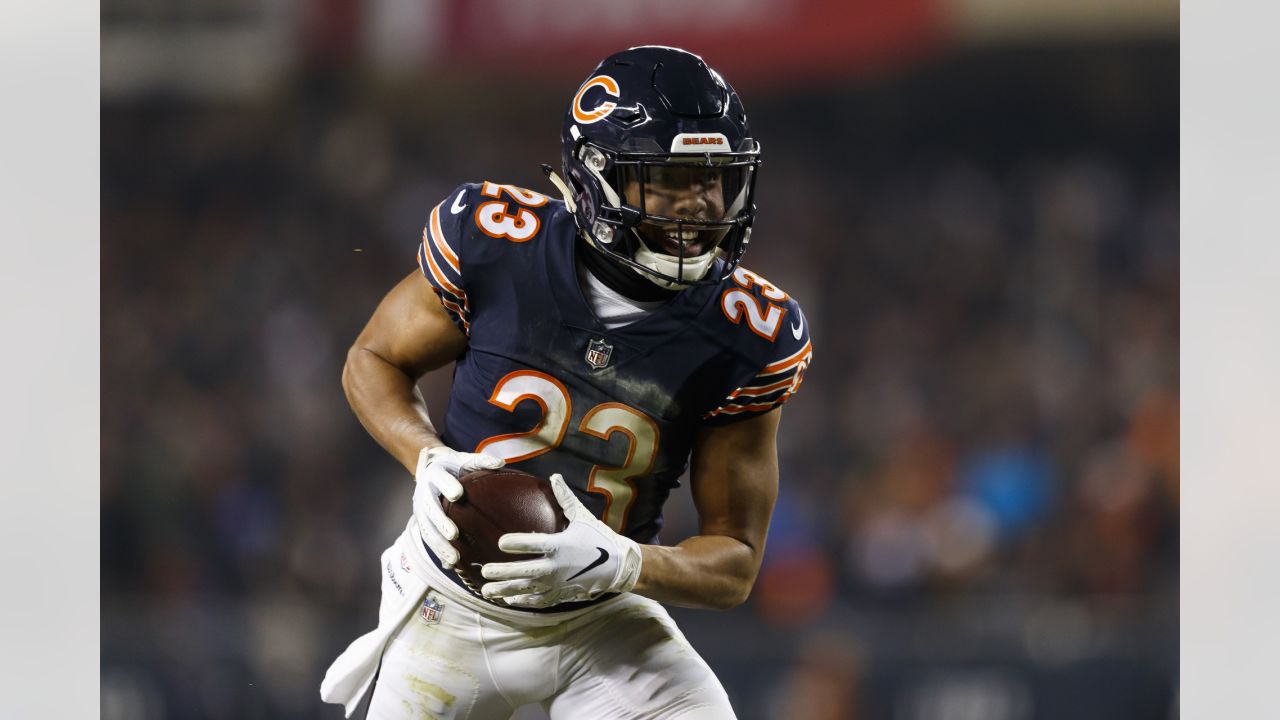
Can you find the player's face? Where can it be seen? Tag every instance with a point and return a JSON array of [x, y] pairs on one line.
[[684, 193]]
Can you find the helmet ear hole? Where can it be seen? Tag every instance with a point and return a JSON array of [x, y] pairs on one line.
[[594, 159]]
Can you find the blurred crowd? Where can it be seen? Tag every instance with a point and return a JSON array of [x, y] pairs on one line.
[[979, 476]]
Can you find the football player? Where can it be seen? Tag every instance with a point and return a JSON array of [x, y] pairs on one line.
[[608, 340]]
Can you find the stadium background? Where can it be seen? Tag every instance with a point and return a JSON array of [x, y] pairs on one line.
[[976, 201]]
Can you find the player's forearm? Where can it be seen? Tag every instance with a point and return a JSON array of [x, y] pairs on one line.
[[388, 404], [713, 572]]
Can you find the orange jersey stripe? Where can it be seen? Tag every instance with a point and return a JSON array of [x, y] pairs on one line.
[[437, 238], [758, 391], [443, 300], [734, 408], [799, 356], [438, 274], [454, 307]]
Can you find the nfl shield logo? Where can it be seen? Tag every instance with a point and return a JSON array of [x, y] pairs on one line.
[[430, 611], [598, 352]]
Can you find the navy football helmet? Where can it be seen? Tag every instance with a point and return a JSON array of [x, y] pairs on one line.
[[661, 166]]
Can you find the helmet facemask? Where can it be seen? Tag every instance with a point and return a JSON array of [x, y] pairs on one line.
[[669, 216]]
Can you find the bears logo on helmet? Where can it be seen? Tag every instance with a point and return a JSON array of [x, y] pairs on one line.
[[601, 111]]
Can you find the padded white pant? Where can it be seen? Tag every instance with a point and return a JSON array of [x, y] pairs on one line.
[[624, 658]]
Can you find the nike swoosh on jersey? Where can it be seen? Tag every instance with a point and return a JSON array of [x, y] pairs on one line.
[[457, 206], [797, 328], [604, 555]]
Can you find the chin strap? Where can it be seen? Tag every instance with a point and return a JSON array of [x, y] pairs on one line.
[[563, 187], [694, 268], [622, 279]]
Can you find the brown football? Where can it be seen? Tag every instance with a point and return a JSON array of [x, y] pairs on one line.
[[493, 503]]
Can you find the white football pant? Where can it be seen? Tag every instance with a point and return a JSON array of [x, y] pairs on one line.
[[459, 657]]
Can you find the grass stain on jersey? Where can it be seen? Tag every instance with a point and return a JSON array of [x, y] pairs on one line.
[[656, 399]]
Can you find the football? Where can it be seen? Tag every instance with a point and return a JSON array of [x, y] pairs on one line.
[[493, 503]]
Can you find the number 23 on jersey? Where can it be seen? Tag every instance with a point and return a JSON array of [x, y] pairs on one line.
[[616, 484], [765, 318], [495, 218]]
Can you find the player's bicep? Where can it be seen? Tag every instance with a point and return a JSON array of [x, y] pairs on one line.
[[734, 479], [412, 330]]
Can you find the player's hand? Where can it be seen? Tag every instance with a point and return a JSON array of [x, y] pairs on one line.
[[583, 562], [437, 475]]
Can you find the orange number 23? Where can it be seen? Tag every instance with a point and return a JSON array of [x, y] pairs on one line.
[[616, 484]]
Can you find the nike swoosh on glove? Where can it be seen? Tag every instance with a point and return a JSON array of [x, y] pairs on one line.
[[437, 475], [582, 562]]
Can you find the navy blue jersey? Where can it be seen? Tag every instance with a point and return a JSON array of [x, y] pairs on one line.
[[544, 385]]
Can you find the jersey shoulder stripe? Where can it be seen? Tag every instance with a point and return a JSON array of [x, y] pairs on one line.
[[756, 391], [453, 304], [440, 257], [438, 238], [803, 355], [771, 364], [434, 243]]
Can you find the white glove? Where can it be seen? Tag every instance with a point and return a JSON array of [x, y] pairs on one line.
[[438, 471], [582, 562]]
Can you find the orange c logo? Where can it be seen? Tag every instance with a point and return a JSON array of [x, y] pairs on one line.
[[601, 111]]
